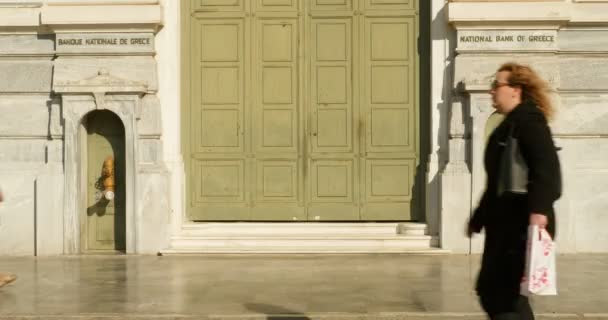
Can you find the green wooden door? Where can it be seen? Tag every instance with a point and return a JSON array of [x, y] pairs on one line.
[[301, 110], [104, 226]]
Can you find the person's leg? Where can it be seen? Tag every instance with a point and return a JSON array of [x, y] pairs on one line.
[[524, 309], [506, 316], [506, 307], [512, 309], [6, 278]]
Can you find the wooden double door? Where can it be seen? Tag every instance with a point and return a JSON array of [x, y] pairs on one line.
[[300, 110]]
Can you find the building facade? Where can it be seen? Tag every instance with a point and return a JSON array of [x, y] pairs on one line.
[[162, 126]]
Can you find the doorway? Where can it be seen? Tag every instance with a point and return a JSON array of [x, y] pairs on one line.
[[104, 226]]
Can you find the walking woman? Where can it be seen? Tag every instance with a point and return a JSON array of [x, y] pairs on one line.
[[522, 96]]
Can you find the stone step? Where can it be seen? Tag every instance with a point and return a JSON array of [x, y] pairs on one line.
[[312, 228], [314, 237], [346, 243]]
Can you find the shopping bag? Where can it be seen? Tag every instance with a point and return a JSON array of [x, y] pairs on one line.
[[540, 274]]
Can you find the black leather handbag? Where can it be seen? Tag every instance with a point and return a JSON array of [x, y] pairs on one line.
[[513, 170]]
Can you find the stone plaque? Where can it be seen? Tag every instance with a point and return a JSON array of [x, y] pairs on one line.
[[136, 43], [516, 40]]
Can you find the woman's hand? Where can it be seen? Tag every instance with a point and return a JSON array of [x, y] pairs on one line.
[[538, 219], [470, 229]]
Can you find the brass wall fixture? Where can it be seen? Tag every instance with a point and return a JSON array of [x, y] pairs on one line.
[[107, 174]]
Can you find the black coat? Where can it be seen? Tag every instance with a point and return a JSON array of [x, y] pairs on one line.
[[505, 218]]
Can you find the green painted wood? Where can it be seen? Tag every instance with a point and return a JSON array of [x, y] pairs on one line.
[[300, 110], [104, 228]]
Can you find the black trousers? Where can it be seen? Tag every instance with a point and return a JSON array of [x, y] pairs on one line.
[[506, 307]]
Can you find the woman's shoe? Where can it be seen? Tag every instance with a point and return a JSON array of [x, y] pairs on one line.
[[6, 278]]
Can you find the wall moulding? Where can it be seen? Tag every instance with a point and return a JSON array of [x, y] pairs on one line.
[[110, 15], [528, 12], [97, 2]]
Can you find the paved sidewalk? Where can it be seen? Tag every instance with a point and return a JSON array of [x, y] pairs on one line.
[[365, 286]]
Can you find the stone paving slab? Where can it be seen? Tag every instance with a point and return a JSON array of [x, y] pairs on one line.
[[341, 287]]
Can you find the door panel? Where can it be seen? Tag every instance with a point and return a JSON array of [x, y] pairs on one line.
[[333, 165], [390, 74], [389, 104], [276, 87], [218, 117], [276, 113], [331, 98], [333, 191], [218, 165]]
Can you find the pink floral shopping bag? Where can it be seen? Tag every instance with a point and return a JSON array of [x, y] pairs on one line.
[[540, 274]]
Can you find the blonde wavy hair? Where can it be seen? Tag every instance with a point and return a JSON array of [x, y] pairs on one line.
[[533, 87]]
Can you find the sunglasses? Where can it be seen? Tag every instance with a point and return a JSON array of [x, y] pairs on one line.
[[495, 84]]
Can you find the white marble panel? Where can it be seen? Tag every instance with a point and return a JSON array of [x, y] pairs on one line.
[[55, 151], [588, 208], [23, 151], [140, 69], [49, 214], [583, 40], [149, 123], [17, 213], [584, 154], [56, 127], [476, 71], [456, 209], [150, 151], [25, 16], [581, 115], [583, 73], [26, 75], [136, 14], [153, 210], [24, 116], [484, 12], [98, 2], [581, 212], [27, 43]]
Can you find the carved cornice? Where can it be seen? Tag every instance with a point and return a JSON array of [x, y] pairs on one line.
[[100, 85], [102, 82]]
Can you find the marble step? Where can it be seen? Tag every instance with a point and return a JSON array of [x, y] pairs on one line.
[[315, 237], [313, 228], [345, 243]]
